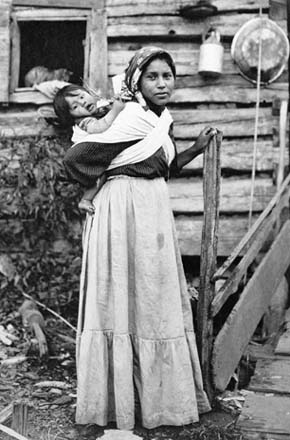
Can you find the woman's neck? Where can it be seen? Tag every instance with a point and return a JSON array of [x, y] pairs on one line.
[[157, 109]]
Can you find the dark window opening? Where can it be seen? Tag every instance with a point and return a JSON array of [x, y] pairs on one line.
[[53, 45]]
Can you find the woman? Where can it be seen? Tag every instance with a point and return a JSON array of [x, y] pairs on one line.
[[135, 332]]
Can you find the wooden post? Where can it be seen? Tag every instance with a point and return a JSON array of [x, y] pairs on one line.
[[5, 11], [288, 33], [211, 191], [15, 54], [98, 59], [19, 417]]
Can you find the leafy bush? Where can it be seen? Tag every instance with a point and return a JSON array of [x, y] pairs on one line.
[[40, 221]]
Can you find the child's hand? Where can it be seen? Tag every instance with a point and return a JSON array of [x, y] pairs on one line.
[[118, 104], [204, 137]]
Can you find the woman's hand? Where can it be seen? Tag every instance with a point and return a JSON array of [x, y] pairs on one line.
[[198, 147], [203, 139]]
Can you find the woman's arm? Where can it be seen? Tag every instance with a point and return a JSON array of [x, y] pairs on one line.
[[197, 148]]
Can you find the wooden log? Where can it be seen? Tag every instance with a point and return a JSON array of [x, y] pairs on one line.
[[98, 63], [229, 94], [234, 122], [189, 231], [142, 26], [121, 8], [50, 14], [85, 4], [186, 60], [211, 190], [186, 195], [20, 417], [236, 155], [233, 338], [23, 96]]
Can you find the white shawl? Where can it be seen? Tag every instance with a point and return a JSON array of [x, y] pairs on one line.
[[134, 123]]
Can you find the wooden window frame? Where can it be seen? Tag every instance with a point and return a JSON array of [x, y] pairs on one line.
[[95, 49]]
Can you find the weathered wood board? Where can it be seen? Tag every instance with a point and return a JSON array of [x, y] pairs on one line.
[[228, 25], [228, 94], [130, 7], [231, 121], [98, 50], [272, 376], [231, 231], [236, 333], [237, 155], [266, 413], [186, 58], [283, 345], [187, 197], [5, 7]]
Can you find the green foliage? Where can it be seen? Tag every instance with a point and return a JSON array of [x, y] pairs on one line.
[[40, 221]]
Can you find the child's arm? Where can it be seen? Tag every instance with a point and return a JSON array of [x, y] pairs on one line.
[[94, 125]]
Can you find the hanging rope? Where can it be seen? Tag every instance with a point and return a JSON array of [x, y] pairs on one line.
[[253, 176]]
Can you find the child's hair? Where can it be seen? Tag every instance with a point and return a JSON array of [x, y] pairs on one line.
[[61, 106]]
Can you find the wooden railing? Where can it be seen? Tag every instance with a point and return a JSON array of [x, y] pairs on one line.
[[268, 237]]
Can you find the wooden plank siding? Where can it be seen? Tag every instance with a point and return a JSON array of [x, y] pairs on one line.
[[226, 102]]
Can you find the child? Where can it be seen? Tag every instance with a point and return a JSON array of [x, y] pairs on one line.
[[75, 105]]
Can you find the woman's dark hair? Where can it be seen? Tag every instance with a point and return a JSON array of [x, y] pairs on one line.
[[61, 106], [161, 56]]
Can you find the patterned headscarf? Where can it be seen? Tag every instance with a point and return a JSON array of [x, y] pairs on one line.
[[135, 69]]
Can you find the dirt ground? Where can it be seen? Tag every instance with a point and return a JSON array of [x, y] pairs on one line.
[[51, 406]]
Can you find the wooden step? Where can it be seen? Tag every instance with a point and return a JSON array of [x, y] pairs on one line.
[[265, 413], [272, 376]]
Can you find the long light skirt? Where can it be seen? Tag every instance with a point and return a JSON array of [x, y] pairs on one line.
[[135, 329]]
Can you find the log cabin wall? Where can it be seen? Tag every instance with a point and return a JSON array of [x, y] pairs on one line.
[[114, 31]]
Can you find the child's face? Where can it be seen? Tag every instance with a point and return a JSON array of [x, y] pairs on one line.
[[81, 104]]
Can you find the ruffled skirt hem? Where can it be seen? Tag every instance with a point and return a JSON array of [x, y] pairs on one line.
[[162, 375]]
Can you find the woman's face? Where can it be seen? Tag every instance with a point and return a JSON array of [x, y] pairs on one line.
[[81, 104], [157, 82]]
